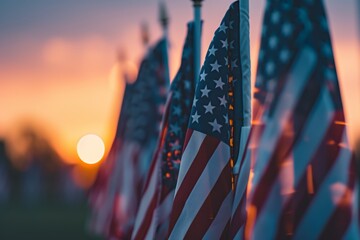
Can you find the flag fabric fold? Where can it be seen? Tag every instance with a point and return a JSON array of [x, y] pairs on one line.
[[154, 212], [242, 167], [303, 184], [204, 190]]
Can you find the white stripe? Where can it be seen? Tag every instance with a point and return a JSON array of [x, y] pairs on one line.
[[147, 197], [239, 235], [152, 228], [265, 227], [161, 214], [323, 205], [165, 208], [189, 155], [267, 221], [297, 79], [202, 188], [222, 218], [313, 133]]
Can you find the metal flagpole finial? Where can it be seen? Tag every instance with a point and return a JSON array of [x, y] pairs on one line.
[[197, 3], [145, 36], [164, 17], [197, 37]]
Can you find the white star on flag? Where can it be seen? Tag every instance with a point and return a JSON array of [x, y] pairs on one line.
[[209, 108], [231, 24], [203, 76], [195, 117], [219, 83], [223, 28], [222, 101], [225, 44], [215, 66], [212, 51], [175, 128], [234, 64], [226, 119], [195, 101], [205, 91], [232, 44], [216, 126]]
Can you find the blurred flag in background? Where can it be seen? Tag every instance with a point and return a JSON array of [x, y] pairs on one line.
[[99, 194], [133, 150], [304, 173], [153, 217]]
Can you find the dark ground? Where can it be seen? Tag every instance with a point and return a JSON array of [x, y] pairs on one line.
[[44, 221]]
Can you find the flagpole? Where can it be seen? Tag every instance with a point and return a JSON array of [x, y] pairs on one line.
[[164, 21], [145, 36], [197, 37]]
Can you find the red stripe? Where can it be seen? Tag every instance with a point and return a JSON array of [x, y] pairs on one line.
[[271, 172], [165, 191], [189, 133], [210, 208], [341, 218], [139, 180], [206, 150], [239, 218], [322, 162], [135, 156], [146, 223]]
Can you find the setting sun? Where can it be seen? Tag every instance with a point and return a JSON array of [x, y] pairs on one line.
[[90, 149]]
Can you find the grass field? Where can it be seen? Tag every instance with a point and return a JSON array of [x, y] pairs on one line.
[[44, 221]]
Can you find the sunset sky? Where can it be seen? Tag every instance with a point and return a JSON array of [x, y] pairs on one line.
[[58, 59]]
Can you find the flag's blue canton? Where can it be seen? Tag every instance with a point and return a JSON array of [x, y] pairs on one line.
[[210, 112], [148, 96], [288, 26], [182, 89]]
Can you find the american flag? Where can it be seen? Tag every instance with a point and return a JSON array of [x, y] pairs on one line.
[[98, 194], [154, 212], [133, 156], [304, 173], [203, 195]]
